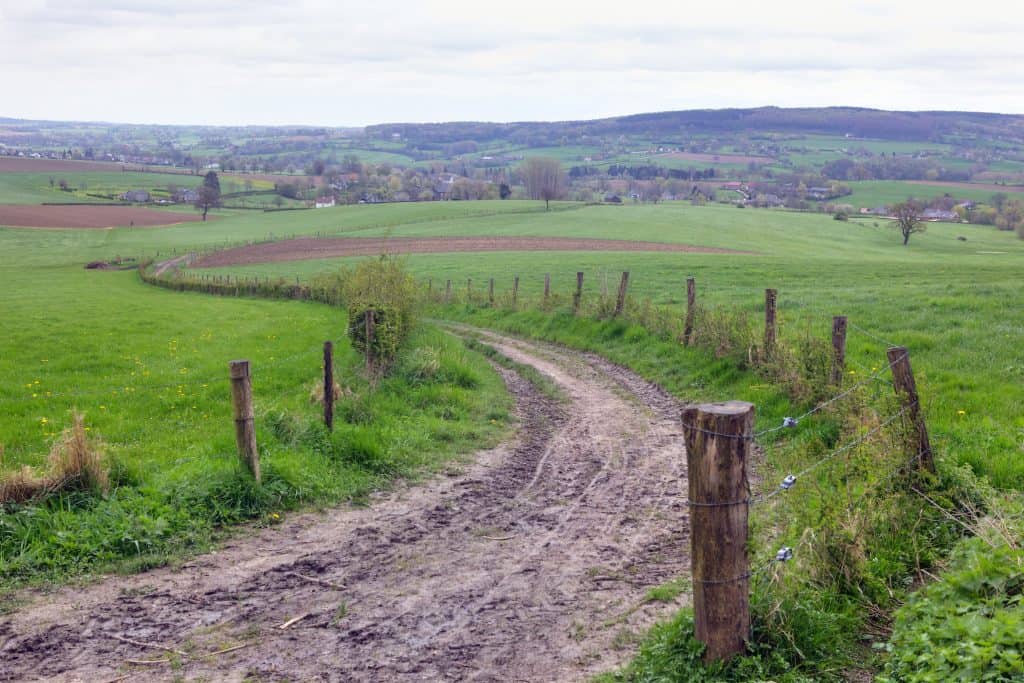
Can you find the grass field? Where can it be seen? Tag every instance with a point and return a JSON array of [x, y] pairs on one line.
[[870, 193], [34, 188], [943, 298], [148, 369]]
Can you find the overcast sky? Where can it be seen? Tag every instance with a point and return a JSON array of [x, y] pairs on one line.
[[335, 62]]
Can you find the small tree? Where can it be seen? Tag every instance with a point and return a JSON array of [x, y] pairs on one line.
[[209, 193], [908, 219]]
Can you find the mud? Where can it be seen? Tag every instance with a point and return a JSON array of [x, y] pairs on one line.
[[529, 564], [315, 248]]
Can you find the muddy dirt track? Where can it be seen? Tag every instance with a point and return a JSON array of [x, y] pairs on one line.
[[85, 216], [314, 248], [528, 564]]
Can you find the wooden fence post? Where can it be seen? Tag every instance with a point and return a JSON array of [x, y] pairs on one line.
[[770, 297], [490, 292], [906, 387], [469, 290], [578, 296], [245, 421], [329, 385], [838, 348], [515, 290], [718, 439], [448, 292], [691, 306], [430, 286], [620, 303], [547, 286], [371, 330]]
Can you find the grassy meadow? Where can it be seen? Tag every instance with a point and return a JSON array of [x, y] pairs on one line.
[[148, 369], [946, 299]]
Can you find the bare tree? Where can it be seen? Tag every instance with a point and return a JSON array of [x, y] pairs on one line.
[[908, 219], [544, 179]]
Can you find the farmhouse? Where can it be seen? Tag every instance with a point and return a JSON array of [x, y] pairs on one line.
[[325, 202], [135, 196], [939, 215], [186, 196]]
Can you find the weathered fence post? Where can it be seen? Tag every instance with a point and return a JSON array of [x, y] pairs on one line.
[[329, 385], [547, 286], [515, 290], [245, 421], [906, 387], [578, 296], [490, 292], [620, 303], [691, 306], [448, 292], [469, 290], [838, 348], [430, 286], [770, 297], [371, 330], [718, 439]]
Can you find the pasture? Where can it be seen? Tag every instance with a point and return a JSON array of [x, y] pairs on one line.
[[147, 367], [942, 297]]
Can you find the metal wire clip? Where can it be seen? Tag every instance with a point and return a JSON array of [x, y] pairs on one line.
[[785, 553], [790, 422], [788, 482]]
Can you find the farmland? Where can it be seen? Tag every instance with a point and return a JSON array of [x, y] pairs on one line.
[[147, 366]]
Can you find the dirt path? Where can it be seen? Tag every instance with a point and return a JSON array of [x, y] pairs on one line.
[[531, 564]]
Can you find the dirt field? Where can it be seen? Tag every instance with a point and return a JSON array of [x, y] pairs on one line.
[[24, 165], [84, 216], [314, 248], [530, 564], [719, 158]]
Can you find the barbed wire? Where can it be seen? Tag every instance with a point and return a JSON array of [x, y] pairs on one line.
[[791, 479], [870, 334], [789, 422]]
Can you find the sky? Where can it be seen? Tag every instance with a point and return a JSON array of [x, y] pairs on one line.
[[342, 63]]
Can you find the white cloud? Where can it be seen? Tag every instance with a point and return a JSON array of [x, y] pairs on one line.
[[348, 63]]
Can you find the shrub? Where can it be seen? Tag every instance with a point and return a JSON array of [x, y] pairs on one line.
[[384, 286]]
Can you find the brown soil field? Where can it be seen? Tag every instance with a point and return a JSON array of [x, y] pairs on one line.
[[23, 165], [719, 158], [84, 216], [305, 248]]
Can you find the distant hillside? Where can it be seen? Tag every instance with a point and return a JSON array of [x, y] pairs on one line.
[[867, 123]]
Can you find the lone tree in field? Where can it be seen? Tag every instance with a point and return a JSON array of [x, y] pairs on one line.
[[544, 179], [209, 193], [908, 219]]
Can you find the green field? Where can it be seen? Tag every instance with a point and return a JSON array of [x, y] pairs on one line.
[[148, 368], [34, 188], [872, 193], [942, 297]]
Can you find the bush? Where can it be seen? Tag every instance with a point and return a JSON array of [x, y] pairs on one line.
[[384, 286]]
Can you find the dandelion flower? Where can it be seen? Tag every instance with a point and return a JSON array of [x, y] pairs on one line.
[[961, 412]]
